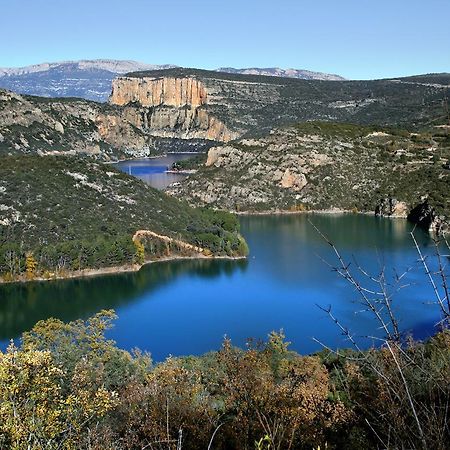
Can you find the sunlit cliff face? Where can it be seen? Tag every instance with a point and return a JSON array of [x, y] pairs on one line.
[[169, 107], [169, 91]]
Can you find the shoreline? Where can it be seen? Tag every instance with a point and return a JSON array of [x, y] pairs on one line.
[[131, 268], [329, 211], [182, 172], [113, 270], [162, 155], [285, 212]]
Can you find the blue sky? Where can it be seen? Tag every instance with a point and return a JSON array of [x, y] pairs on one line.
[[358, 39]]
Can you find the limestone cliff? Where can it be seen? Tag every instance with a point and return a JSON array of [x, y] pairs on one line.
[[168, 91], [169, 107], [234, 105]]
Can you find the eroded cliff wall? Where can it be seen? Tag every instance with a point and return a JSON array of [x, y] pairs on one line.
[[169, 107], [169, 91]]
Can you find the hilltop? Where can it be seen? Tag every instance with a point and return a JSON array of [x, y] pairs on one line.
[[184, 103]]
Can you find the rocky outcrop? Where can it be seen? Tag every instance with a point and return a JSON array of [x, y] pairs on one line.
[[322, 166], [391, 207], [61, 126], [215, 155], [142, 234], [292, 180], [269, 173], [425, 216], [169, 107], [115, 130], [181, 123], [34, 125]]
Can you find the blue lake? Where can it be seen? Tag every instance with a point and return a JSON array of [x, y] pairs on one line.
[[186, 307], [154, 170]]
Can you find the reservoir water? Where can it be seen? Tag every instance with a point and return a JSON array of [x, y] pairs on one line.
[[187, 307], [154, 170]]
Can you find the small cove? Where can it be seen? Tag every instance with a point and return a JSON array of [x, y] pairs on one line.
[[153, 171]]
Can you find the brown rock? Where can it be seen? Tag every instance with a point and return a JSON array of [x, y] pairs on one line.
[[294, 181], [150, 92], [169, 107]]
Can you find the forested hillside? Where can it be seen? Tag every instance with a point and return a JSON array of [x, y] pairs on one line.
[[64, 214]]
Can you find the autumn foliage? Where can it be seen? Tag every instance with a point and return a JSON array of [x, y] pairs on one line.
[[70, 387]]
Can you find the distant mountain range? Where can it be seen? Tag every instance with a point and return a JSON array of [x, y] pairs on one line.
[[88, 79], [91, 79], [287, 73], [108, 65]]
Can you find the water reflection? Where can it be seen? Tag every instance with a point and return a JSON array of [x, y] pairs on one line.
[[299, 250], [22, 305], [186, 307]]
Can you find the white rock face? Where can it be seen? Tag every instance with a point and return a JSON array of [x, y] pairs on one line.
[[400, 210], [216, 154], [59, 127]]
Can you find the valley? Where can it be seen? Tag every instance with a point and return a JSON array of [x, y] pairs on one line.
[[274, 145], [224, 225], [273, 242]]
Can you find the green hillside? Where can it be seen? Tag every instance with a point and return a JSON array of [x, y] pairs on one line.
[[71, 213]]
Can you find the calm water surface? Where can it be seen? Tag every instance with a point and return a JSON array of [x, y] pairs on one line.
[[153, 170], [186, 307]]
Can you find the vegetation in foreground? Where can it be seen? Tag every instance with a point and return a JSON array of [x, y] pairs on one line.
[[69, 387], [61, 214]]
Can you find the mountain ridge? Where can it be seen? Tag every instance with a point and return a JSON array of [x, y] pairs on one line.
[[110, 65], [286, 73], [147, 108], [91, 79]]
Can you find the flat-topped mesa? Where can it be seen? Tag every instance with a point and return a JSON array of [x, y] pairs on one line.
[[151, 92]]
